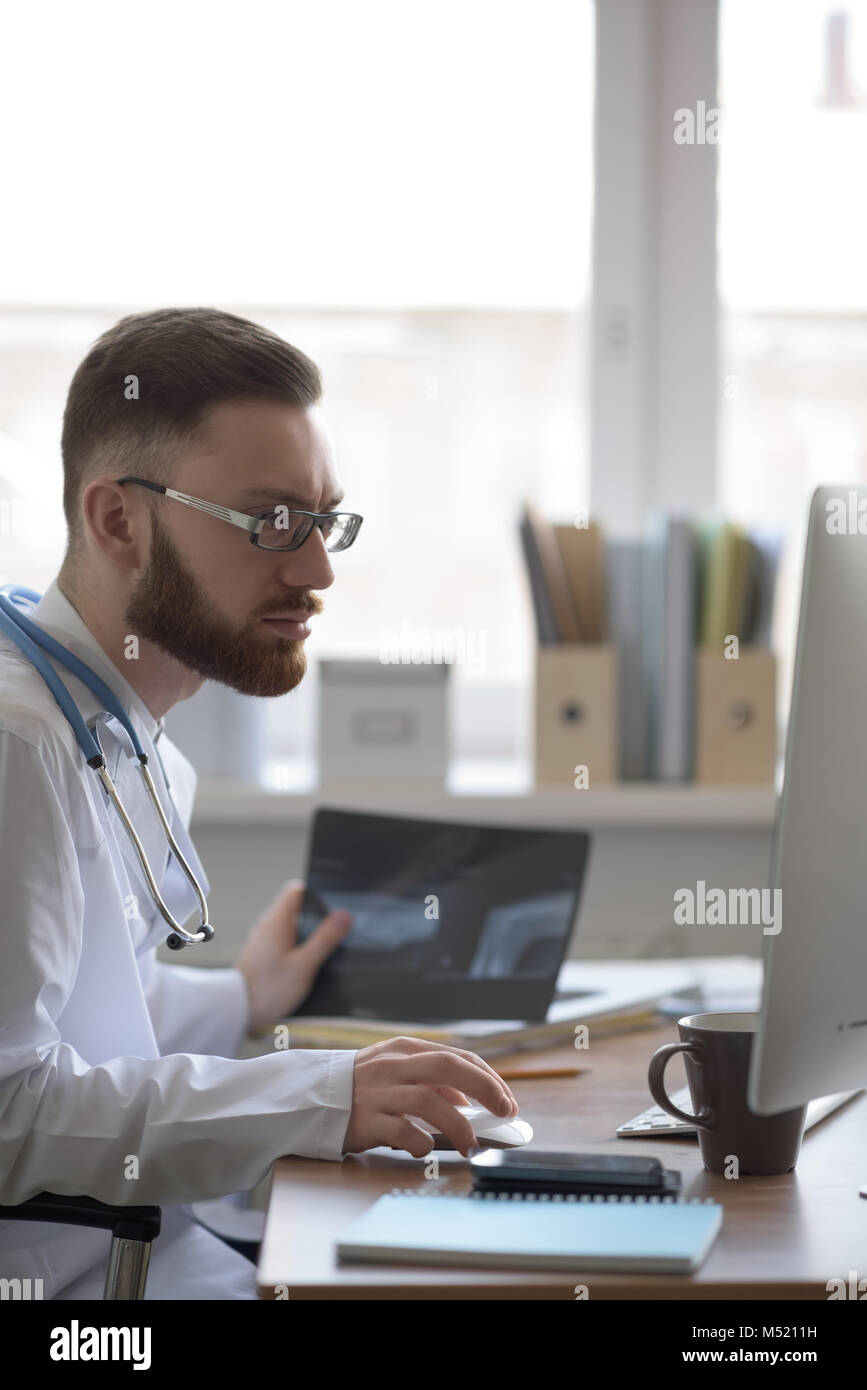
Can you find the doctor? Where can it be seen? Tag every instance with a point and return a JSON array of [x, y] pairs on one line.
[[118, 1073]]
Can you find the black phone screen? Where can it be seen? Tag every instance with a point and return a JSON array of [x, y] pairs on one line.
[[494, 1165]]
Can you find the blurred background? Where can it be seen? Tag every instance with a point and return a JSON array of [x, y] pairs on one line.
[[517, 283]]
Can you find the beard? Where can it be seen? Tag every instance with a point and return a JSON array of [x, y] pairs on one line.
[[169, 608]]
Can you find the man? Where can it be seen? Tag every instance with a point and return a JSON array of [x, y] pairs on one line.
[[118, 1073]]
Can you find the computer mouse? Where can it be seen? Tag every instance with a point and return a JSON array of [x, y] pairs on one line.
[[491, 1131]]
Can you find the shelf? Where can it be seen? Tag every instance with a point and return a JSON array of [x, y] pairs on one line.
[[495, 795]]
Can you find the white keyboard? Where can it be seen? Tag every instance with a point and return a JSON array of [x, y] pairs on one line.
[[658, 1121]]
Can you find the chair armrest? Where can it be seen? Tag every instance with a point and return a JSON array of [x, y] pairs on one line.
[[130, 1223]]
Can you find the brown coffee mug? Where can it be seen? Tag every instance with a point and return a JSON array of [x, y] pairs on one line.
[[733, 1140]]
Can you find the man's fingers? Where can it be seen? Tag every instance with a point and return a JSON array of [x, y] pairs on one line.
[[326, 938], [409, 1046], [448, 1068], [424, 1103], [456, 1097], [291, 895], [397, 1132]]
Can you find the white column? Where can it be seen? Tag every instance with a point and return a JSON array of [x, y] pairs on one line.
[[654, 360]]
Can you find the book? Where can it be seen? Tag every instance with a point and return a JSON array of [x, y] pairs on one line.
[[487, 1039], [583, 556], [765, 555], [670, 578], [553, 574], [656, 1235], [624, 585], [725, 597], [547, 631]]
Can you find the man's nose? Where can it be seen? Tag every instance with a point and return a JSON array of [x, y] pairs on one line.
[[309, 565]]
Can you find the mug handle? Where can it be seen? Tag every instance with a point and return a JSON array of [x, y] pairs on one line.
[[706, 1118]]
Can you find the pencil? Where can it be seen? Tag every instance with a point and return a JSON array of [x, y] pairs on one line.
[[518, 1074]]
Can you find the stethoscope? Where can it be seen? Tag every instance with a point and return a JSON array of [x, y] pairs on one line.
[[29, 636]]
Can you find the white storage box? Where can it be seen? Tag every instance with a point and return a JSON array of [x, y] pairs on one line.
[[383, 722]]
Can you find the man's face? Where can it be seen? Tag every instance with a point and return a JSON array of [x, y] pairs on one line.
[[206, 590]]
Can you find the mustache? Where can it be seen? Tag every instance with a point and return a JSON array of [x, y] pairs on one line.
[[308, 607]]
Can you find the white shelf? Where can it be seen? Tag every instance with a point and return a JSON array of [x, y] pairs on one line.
[[497, 794]]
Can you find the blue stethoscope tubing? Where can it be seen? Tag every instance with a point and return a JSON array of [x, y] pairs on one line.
[[30, 637]]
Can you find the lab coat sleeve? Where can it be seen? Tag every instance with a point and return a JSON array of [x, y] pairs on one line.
[[195, 1008], [163, 1130]]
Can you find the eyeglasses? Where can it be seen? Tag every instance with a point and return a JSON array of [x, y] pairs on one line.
[[288, 532]]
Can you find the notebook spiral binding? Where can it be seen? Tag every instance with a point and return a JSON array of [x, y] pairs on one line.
[[638, 1199]]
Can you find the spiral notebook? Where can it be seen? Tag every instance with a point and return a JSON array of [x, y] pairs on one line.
[[650, 1235]]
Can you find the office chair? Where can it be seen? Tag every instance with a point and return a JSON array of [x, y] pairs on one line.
[[132, 1228]]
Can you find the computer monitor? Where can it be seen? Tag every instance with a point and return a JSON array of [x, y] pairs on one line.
[[812, 1035]]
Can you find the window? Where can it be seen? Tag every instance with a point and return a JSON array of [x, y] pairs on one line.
[[405, 194], [793, 274]]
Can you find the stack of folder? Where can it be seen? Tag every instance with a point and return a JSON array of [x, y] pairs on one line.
[[653, 659], [487, 1039], [566, 568]]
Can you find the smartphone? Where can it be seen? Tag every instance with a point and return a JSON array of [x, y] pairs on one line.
[[511, 1170]]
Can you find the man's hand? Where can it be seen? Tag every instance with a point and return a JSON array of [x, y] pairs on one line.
[[410, 1076], [278, 973]]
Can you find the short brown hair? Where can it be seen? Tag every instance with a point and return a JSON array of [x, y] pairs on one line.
[[185, 361]]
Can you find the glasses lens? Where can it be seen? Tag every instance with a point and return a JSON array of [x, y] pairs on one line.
[[284, 530], [287, 530], [339, 531]]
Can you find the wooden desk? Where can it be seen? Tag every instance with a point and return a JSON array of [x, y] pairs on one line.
[[782, 1237]]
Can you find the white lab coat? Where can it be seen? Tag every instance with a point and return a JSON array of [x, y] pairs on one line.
[[111, 1061]]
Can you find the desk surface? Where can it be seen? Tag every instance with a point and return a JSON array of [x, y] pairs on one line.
[[782, 1237]]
